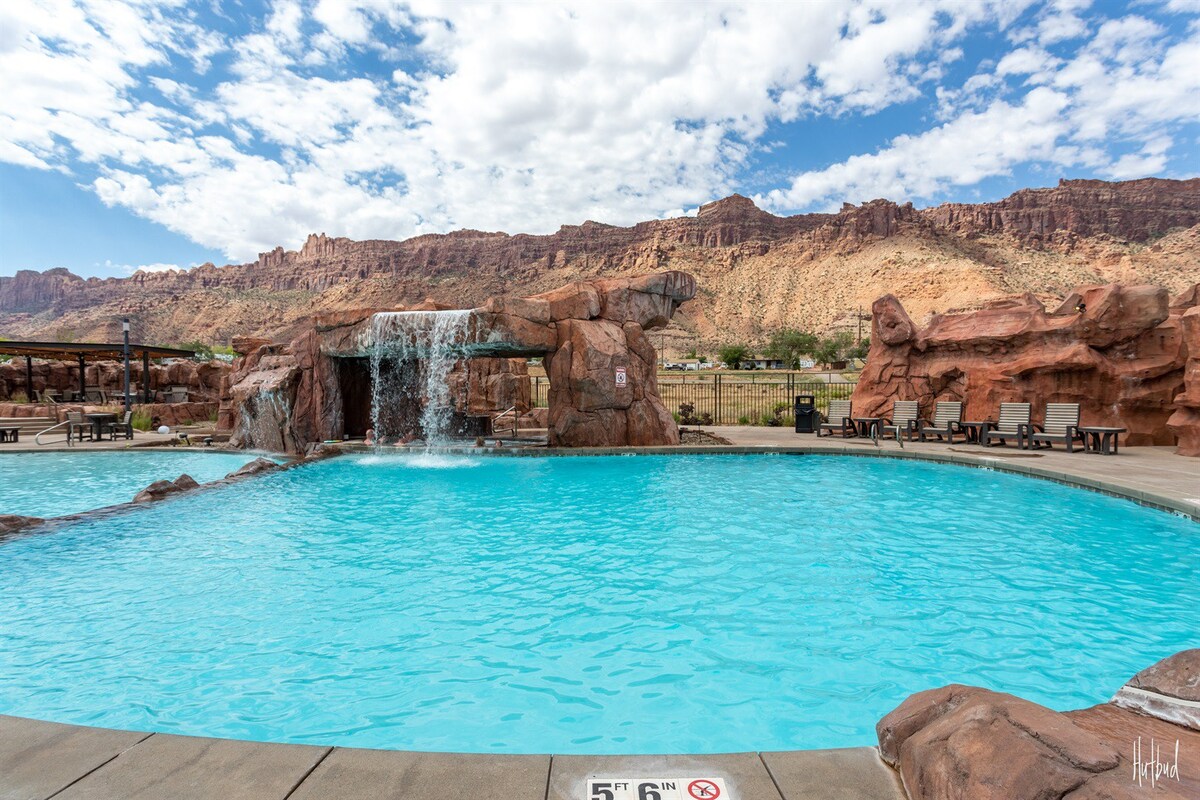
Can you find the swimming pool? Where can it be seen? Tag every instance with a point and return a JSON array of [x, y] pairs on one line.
[[52, 484], [698, 603]]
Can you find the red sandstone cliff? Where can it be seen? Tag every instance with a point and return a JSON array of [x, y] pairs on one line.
[[757, 271]]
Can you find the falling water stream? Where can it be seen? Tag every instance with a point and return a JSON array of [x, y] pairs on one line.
[[412, 353]]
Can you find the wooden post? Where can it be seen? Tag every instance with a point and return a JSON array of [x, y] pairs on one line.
[[29, 378], [82, 381], [145, 376]]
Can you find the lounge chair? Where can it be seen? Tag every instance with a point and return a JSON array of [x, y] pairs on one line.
[[905, 415], [839, 419], [124, 428], [1013, 424], [47, 396], [1061, 425], [95, 395], [946, 416], [78, 427]]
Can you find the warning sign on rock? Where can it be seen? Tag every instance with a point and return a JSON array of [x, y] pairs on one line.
[[620, 376], [657, 789]]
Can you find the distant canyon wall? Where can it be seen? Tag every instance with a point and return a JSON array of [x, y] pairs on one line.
[[759, 271]]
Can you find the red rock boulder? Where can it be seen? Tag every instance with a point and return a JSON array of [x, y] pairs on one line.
[[1185, 422], [966, 743]]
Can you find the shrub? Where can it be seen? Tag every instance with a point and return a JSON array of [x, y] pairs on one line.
[[776, 418], [141, 420], [19, 397], [687, 416], [743, 420]]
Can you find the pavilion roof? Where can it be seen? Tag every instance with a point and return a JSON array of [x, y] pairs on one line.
[[89, 351]]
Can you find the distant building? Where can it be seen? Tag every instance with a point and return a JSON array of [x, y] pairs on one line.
[[758, 362]]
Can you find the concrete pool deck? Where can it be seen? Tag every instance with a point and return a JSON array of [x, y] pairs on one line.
[[43, 760]]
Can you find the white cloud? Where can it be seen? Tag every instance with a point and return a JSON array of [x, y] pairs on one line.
[[964, 151], [1125, 87], [523, 116]]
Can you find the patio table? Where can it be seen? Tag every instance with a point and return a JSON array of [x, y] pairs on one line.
[[1100, 439], [973, 430], [99, 420]]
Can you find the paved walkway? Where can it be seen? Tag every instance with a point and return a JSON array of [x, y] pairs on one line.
[[57, 443], [42, 760]]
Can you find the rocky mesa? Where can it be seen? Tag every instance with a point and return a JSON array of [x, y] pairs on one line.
[[756, 271]]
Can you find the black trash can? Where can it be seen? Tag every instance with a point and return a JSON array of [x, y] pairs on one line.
[[806, 414]]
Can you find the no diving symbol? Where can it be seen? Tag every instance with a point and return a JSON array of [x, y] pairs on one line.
[[704, 790], [620, 376]]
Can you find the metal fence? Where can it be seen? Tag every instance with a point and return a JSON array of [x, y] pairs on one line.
[[735, 398]]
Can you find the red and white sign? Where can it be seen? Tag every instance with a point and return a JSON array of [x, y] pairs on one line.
[[656, 789], [621, 378], [704, 789]]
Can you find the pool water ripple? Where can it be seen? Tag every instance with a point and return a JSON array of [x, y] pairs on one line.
[[588, 604]]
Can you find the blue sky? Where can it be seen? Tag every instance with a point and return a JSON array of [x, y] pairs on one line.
[[163, 133]]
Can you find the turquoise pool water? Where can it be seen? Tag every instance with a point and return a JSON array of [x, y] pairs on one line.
[[55, 483], [588, 605]]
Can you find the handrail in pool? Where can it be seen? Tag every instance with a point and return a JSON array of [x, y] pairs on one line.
[[38, 438], [510, 410]]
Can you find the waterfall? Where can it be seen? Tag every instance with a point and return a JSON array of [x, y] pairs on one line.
[[265, 419], [412, 353]]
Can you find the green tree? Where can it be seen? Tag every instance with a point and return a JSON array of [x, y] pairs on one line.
[[732, 355], [860, 350], [789, 345], [833, 348], [203, 351]]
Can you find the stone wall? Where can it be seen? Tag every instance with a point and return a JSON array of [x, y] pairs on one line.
[[490, 385], [1121, 358], [202, 379]]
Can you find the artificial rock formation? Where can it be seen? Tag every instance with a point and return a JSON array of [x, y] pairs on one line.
[[1185, 422], [1118, 351], [603, 384], [966, 743], [255, 467], [13, 523], [160, 490]]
